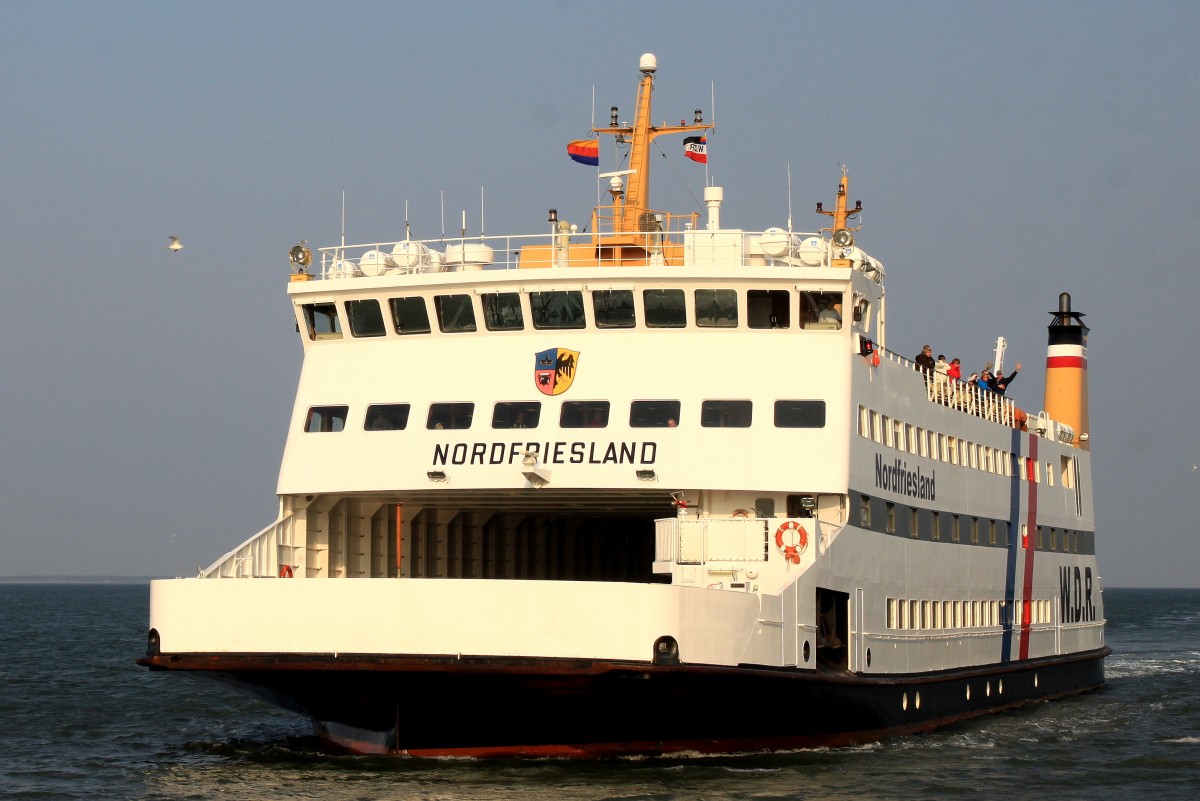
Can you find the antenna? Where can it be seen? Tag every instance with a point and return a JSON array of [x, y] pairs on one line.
[[343, 218], [407, 227], [789, 176], [481, 214], [442, 195]]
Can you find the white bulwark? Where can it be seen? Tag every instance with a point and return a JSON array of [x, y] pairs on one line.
[[640, 459]]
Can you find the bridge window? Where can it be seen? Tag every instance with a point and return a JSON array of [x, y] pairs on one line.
[[365, 318], [520, 414], [665, 308], [613, 308], [322, 321], [326, 418], [450, 415], [769, 308], [864, 511], [387, 417], [409, 315], [557, 309], [583, 414], [455, 313], [654, 414], [821, 310], [799, 414], [716, 308], [726, 413], [502, 311]]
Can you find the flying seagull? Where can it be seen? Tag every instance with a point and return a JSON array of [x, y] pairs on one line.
[[175, 245]]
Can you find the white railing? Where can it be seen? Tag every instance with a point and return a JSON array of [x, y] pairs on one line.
[[711, 539], [965, 396], [582, 249], [263, 555]]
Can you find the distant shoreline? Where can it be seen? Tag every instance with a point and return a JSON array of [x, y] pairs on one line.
[[78, 579]]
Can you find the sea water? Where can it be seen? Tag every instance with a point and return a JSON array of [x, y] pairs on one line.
[[78, 719]]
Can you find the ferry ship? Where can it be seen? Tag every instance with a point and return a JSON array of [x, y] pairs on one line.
[[646, 484]]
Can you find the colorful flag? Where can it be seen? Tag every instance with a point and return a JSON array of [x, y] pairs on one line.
[[585, 151], [696, 148]]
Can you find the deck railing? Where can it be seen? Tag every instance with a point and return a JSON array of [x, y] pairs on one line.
[[262, 555], [964, 396], [667, 246]]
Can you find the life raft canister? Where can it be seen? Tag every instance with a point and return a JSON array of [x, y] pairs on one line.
[[285, 571], [791, 551]]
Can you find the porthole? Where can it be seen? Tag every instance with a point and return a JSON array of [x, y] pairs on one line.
[[968, 692], [917, 700], [806, 650], [987, 689], [904, 702], [1000, 687], [1035, 681], [868, 657]]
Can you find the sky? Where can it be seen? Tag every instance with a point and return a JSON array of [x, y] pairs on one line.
[[1003, 152]]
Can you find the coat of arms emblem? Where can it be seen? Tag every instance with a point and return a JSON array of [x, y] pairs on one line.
[[554, 370]]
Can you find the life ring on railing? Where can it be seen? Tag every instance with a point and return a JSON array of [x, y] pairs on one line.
[[740, 513], [791, 552], [285, 571]]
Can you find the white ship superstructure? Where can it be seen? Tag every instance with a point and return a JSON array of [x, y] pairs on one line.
[[638, 463]]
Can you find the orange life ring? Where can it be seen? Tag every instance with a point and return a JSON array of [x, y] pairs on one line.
[[285, 571], [791, 552], [740, 513]]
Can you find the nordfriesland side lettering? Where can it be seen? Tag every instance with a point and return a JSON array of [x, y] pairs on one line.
[[896, 477], [546, 452]]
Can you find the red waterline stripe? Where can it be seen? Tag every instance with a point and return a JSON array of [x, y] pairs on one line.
[[1030, 547], [1066, 361]]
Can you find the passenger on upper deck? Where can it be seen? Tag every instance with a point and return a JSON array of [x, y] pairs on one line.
[[941, 378], [1000, 382], [925, 360]]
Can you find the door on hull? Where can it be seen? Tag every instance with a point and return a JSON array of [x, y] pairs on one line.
[[833, 612]]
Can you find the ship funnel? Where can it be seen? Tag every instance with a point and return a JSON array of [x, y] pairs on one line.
[[1066, 397]]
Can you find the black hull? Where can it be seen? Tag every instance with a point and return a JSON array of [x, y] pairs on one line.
[[486, 707]]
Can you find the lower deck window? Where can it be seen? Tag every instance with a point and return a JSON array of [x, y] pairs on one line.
[[584, 414], [520, 414], [326, 418], [726, 413], [654, 414], [800, 414], [387, 417], [450, 415]]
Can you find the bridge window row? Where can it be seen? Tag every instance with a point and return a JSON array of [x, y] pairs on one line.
[[571, 414], [556, 310]]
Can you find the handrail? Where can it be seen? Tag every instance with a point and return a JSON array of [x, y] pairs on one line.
[[257, 557], [964, 396], [574, 249]]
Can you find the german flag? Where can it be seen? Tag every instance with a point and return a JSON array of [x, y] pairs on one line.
[[585, 151]]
